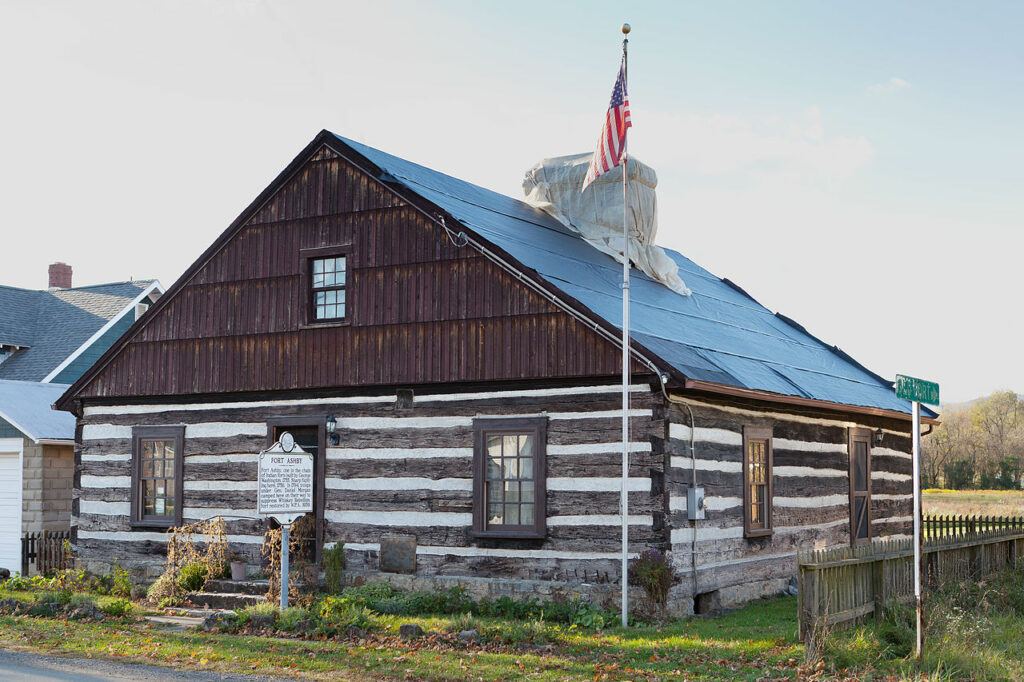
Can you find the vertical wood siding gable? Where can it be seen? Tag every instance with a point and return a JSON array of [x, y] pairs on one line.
[[421, 310]]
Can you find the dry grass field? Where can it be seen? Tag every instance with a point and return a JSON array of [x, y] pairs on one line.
[[974, 502]]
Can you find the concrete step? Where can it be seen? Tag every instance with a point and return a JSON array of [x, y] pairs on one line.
[[225, 600], [238, 586]]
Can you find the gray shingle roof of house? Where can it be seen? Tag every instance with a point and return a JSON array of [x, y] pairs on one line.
[[26, 405], [52, 324]]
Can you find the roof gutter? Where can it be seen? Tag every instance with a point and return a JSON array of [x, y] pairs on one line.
[[722, 389]]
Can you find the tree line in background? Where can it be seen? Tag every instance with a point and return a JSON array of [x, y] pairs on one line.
[[978, 445]]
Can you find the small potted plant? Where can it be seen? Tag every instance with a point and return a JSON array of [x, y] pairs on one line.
[[239, 569]]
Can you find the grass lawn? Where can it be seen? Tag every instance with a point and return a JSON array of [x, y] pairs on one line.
[[757, 642], [974, 502], [974, 632]]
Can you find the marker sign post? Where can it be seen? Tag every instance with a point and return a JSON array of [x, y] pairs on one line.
[[917, 391], [285, 492]]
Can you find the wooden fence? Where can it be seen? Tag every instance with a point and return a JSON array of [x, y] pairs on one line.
[[46, 550], [962, 526], [841, 585]]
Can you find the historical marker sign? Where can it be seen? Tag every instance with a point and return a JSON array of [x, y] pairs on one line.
[[917, 390], [285, 491], [285, 483]]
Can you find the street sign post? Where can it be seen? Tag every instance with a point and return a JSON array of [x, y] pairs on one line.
[[285, 492], [917, 391]]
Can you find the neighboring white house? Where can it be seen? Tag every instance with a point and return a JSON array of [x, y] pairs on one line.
[[37, 467], [49, 338]]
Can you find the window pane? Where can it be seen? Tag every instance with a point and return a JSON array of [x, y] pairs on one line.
[[526, 491], [318, 266], [526, 514], [511, 445], [494, 446], [148, 496], [860, 465], [511, 491], [526, 445], [494, 513], [320, 297], [512, 514], [495, 492], [526, 468], [511, 468]]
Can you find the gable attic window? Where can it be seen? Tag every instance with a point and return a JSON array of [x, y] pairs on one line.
[[327, 279], [757, 482], [157, 475], [6, 352], [509, 478]]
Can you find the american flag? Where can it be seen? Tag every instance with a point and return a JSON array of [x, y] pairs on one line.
[[611, 146]]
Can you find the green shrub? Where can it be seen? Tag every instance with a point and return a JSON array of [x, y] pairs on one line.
[[58, 597], [368, 594], [192, 577], [263, 614], [120, 582], [507, 607], [17, 582], [118, 607], [334, 568], [293, 618], [420, 603], [338, 613]]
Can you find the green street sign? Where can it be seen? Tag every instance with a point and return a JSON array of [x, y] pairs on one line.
[[919, 390]]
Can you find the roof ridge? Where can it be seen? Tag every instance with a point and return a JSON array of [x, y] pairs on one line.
[[143, 282]]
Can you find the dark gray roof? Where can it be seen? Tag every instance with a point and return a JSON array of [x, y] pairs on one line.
[[719, 335], [50, 325]]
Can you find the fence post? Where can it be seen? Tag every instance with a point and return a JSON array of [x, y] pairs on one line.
[[878, 586], [809, 599]]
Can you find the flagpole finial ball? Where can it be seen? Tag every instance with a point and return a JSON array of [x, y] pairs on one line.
[[626, 28]]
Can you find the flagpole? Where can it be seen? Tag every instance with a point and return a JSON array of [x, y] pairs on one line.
[[624, 494]]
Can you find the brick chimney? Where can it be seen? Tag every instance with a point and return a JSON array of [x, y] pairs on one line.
[[60, 276]]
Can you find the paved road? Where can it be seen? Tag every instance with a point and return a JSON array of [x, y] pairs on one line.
[[28, 667]]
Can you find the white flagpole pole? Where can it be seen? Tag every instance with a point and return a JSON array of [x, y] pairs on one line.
[[624, 494], [918, 540]]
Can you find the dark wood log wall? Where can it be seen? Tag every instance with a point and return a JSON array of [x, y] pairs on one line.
[[418, 466], [421, 310], [811, 505]]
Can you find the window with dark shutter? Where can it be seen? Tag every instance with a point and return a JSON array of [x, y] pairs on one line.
[[509, 486], [157, 475], [757, 482]]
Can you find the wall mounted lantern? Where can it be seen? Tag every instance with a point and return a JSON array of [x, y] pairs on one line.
[[332, 430]]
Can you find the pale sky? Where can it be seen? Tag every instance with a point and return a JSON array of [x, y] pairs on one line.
[[856, 166]]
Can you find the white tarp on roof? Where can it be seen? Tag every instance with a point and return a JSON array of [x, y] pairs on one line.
[[553, 185], [26, 405]]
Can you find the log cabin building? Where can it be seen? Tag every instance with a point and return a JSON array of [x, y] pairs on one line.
[[451, 356]]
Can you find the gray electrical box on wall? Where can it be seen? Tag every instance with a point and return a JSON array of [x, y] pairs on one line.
[[695, 503]]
